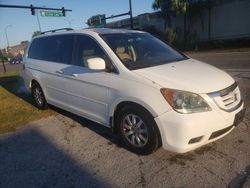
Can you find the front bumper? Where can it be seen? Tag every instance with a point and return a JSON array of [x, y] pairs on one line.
[[185, 132]]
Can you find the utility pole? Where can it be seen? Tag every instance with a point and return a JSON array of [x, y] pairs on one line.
[[8, 44], [131, 15], [2, 59], [38, 21]]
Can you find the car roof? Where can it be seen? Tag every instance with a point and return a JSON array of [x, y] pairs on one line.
[[111, 31], [90, 31]]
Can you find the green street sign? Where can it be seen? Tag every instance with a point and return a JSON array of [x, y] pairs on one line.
[[51, 13]]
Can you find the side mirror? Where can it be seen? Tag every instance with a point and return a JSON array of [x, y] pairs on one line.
[[96, 63]]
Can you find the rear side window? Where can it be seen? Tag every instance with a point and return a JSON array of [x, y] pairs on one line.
[[56, 48]]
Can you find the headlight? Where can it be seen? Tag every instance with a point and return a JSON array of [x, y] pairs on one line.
[[185, 102]]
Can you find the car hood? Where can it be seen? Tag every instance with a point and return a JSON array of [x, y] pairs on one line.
[[188, 75]]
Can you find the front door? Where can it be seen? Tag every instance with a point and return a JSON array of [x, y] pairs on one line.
[[89, 89]]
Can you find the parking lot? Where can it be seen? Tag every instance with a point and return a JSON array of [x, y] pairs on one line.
[[69, 151]]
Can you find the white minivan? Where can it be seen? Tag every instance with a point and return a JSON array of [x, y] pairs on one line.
[[135, 84]]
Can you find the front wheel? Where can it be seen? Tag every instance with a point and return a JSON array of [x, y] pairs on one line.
[[138, 130]]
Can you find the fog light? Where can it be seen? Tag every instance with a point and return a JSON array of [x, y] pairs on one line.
[[194, 140]]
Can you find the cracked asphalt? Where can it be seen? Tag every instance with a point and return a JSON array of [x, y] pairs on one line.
[[69, 151]]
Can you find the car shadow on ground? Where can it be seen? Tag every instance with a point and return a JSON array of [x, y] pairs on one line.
[[15, 85], [93, 126], [29, 159]]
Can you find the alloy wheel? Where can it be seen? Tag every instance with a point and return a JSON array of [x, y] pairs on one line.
[[135, 130]]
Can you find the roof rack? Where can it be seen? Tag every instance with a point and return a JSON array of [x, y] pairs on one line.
[[55, 30]]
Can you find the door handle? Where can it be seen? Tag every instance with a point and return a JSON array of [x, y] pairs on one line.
[[59, 72], [74, 75]]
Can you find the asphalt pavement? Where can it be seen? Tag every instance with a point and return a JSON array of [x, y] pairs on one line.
[[68, 151], [11, 67], [224, 60]]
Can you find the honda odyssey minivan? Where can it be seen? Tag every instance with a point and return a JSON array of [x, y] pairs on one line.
[[142, 89]]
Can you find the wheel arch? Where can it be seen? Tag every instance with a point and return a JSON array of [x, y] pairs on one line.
[[32, 82], [120, 105], [130, 101]]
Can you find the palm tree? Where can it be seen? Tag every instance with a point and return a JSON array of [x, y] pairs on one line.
[[169, 9], [191, 10], [195, 9], [36, 33]]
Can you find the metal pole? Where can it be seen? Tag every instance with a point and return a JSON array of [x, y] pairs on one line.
[[114, 16], [38, 21], [2, 59], [8, 44], [28, 7], [131, 16]]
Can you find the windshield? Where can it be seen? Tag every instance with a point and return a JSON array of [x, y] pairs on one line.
[[139, 50]]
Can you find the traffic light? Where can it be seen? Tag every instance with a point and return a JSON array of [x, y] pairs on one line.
[[63, 11], [89, 22], [97, 21], [32, 9]]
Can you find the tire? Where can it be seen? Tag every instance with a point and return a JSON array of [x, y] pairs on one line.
[[38, 96], [138, 130]]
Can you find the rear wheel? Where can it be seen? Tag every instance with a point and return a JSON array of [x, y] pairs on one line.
[[38, 96], [138, 130]]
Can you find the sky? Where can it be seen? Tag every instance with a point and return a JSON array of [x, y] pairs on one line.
[[23, 24]]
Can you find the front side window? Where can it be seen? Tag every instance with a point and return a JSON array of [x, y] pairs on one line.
[[138, 50], [87, 48]]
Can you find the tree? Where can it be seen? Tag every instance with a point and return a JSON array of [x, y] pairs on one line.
[[194, 13], [169, 9], [191, 10], [5, 54], [24, 42], [36, 33]]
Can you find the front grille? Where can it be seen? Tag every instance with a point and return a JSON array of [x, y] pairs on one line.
[[227, 99]]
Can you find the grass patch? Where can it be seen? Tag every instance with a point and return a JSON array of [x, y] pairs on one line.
[[8, 74], [16, 103]]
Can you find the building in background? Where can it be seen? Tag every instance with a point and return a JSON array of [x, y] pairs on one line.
[[19, 48], [140, 22], [228, 19]]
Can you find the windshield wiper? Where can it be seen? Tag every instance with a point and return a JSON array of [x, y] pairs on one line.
[[136, 66], [144, 65]]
